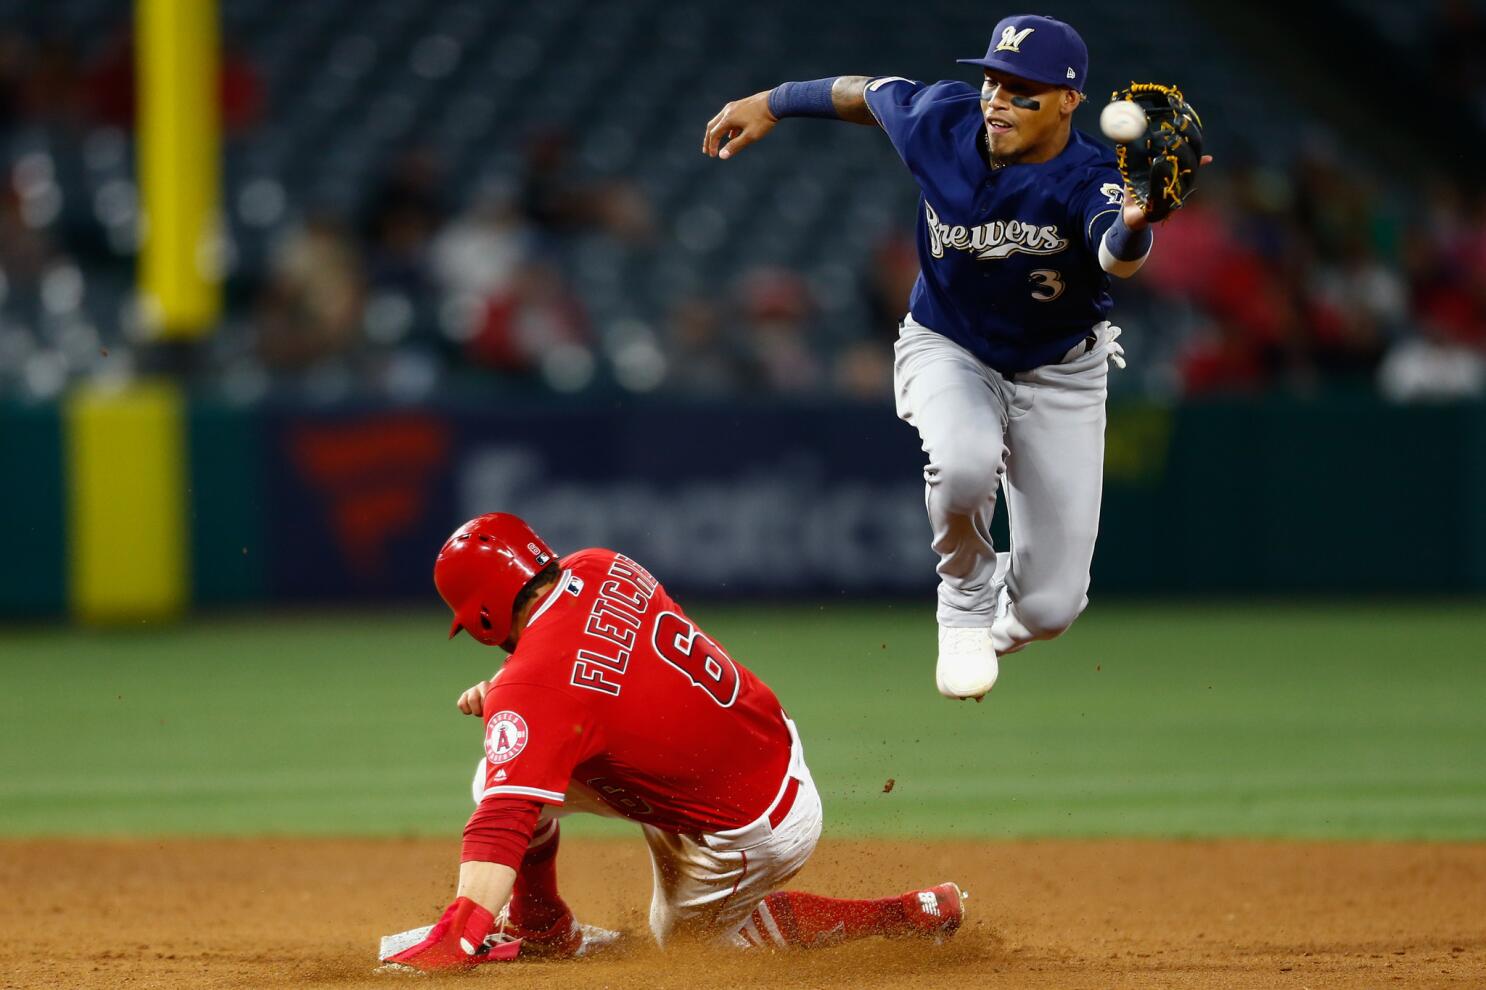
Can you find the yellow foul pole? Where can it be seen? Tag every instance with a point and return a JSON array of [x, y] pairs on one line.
[[128, 476], [179, 164]]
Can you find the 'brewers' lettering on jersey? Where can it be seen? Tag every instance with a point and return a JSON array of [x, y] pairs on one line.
[[996, 239], [1008, 257]]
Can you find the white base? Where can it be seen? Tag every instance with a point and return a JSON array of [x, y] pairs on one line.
[[596, 940], [391, 945]]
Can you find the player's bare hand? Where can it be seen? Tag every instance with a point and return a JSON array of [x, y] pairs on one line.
[[472, 702], [737, 125], [1134, 214]]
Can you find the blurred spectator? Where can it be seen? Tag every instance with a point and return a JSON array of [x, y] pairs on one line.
[[1222, 358], [890, 282], [558, 201], [1357, 304], [864, 371], [776, 309], [514, 312], [1444, 260], [48, 89], [403, 214], [1432, 368], [111, 91], [25, 248], [1306, 274], [311, 307], [703, 361], [15, 55], [1201, 261], [535, 320], [480, 252]]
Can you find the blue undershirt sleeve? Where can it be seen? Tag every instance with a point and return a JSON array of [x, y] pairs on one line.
[[1126, 244], [804, 99]]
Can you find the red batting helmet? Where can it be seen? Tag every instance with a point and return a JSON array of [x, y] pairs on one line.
[[481, 570]]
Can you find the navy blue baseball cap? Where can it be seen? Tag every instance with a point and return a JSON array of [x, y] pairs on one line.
[[1042, 49]]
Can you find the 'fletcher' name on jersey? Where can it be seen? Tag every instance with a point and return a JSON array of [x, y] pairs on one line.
[[613, 622], [996, 239]]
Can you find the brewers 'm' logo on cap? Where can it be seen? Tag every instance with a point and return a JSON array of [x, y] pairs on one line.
[[1056, 56], [505, 737], [1011, 38]]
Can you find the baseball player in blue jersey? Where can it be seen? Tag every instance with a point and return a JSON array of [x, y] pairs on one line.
[[1001, 361]]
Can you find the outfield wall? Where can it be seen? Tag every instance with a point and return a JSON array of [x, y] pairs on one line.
[[346, 505]]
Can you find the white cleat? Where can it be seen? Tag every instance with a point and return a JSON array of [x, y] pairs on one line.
[[967, 663]]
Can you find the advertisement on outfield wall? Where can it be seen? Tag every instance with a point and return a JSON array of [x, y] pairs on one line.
[[770, 503], [306, 507]]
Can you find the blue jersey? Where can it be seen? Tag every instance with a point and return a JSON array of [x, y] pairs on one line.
[[1008, 258]]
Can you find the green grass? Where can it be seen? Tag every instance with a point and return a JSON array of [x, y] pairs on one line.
[[1365, 721]]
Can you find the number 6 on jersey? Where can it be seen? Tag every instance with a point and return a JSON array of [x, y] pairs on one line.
[[685, 647]]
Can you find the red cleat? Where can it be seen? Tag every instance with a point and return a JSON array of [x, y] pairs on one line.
[[934, 913], [567, 938]]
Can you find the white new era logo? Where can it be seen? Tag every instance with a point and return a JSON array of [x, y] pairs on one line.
[[928, 902], [1071, 73]]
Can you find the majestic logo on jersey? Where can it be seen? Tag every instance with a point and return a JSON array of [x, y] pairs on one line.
[[997, 239], [505, 737], [1011, 39]]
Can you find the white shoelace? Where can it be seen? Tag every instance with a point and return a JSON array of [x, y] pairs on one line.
[[961, 640]]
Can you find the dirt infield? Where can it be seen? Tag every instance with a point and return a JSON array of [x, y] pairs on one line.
[[1042, 914]]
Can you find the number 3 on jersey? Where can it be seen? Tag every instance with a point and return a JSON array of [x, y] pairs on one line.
[[1049, 284], [685, 647]]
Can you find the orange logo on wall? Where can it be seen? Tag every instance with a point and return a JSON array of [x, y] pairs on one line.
[[374, 474]]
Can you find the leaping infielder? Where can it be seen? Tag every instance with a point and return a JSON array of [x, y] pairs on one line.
[[1001, 361]]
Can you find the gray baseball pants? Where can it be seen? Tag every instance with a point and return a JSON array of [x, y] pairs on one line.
[[1040, 435]]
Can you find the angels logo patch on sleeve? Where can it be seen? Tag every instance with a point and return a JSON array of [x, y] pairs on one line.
[[506, 736]]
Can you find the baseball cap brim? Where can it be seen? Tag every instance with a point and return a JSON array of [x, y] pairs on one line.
[[987, 63]]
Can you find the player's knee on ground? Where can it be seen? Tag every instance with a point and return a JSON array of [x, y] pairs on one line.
[[1048, 614], [670, 926], [963, 478]]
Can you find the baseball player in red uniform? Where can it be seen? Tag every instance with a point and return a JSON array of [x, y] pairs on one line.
[[614, 702]]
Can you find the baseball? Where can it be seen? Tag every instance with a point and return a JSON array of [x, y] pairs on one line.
[[1122, 121]]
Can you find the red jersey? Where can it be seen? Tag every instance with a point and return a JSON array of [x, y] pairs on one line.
[[613, 686]]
